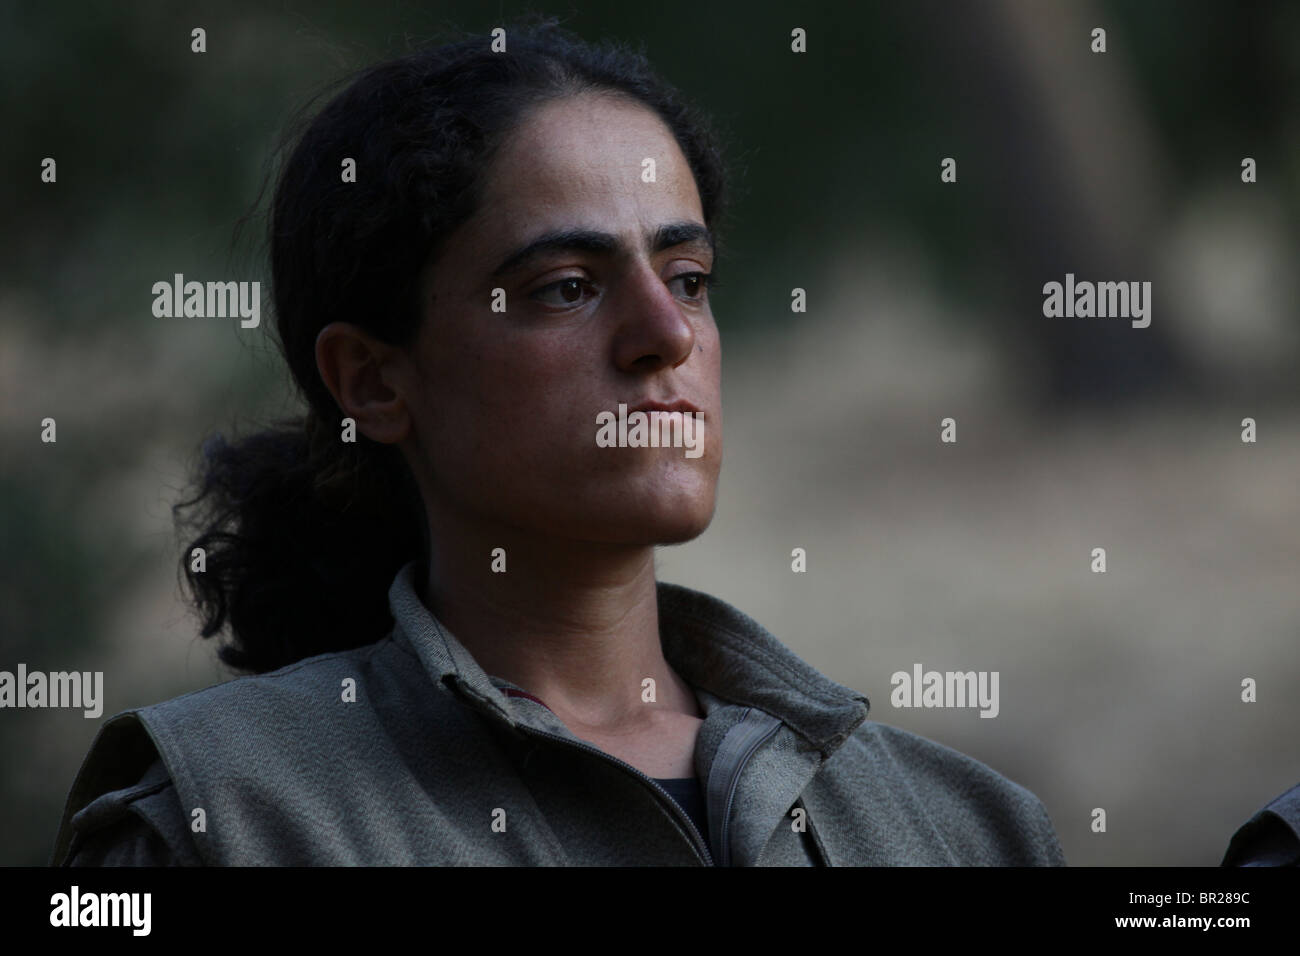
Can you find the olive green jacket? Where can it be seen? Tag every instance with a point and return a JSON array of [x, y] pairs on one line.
[[435, 762]]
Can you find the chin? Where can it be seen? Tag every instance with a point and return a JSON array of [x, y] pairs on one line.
[[664, 520], [673, 522], [682, 532]]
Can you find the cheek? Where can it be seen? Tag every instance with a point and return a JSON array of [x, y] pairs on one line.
[[712, 361], [500, 409]]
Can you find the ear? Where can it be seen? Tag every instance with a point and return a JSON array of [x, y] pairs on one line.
[[360, 371]]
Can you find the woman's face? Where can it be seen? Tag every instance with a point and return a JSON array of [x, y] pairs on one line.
[[504, 403]]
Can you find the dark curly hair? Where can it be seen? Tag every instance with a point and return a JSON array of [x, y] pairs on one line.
[[303, 533]]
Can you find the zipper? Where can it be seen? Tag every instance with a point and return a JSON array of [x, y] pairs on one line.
[[700, 847], [751, 737], [754, 728], [813, 837]]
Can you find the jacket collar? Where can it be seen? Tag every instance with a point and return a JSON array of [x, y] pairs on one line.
[[714, 647]]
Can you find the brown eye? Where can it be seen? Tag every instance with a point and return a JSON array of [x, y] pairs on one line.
[[564, 292], [695, 284]]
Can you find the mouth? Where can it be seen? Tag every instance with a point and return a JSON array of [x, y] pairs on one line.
[[680, 405]]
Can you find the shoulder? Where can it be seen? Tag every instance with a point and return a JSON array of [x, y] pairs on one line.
[[146, 765], [301, 682], [934, 767], [1271, 837], [329, 698], [322, 710], [139, 825], [969, 812]]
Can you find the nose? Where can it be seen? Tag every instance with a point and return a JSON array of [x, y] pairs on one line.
[[653, 330]]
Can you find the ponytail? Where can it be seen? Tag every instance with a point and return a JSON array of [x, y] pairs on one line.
[[301, 535]]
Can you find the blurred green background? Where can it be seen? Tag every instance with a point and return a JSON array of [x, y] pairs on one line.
[[1119, 691]]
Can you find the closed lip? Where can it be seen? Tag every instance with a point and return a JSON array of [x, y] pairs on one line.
[[680, 405]]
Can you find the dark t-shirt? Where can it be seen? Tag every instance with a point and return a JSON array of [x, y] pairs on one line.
[[690, 797]]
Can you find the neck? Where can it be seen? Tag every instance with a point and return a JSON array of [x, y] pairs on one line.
[[574, 623]]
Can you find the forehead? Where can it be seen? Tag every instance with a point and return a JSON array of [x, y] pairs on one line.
[[581, 161]]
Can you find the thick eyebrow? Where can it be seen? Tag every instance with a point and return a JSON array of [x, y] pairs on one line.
[[590, 240]]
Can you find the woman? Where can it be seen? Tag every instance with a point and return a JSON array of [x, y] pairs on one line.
[[442, 583]]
